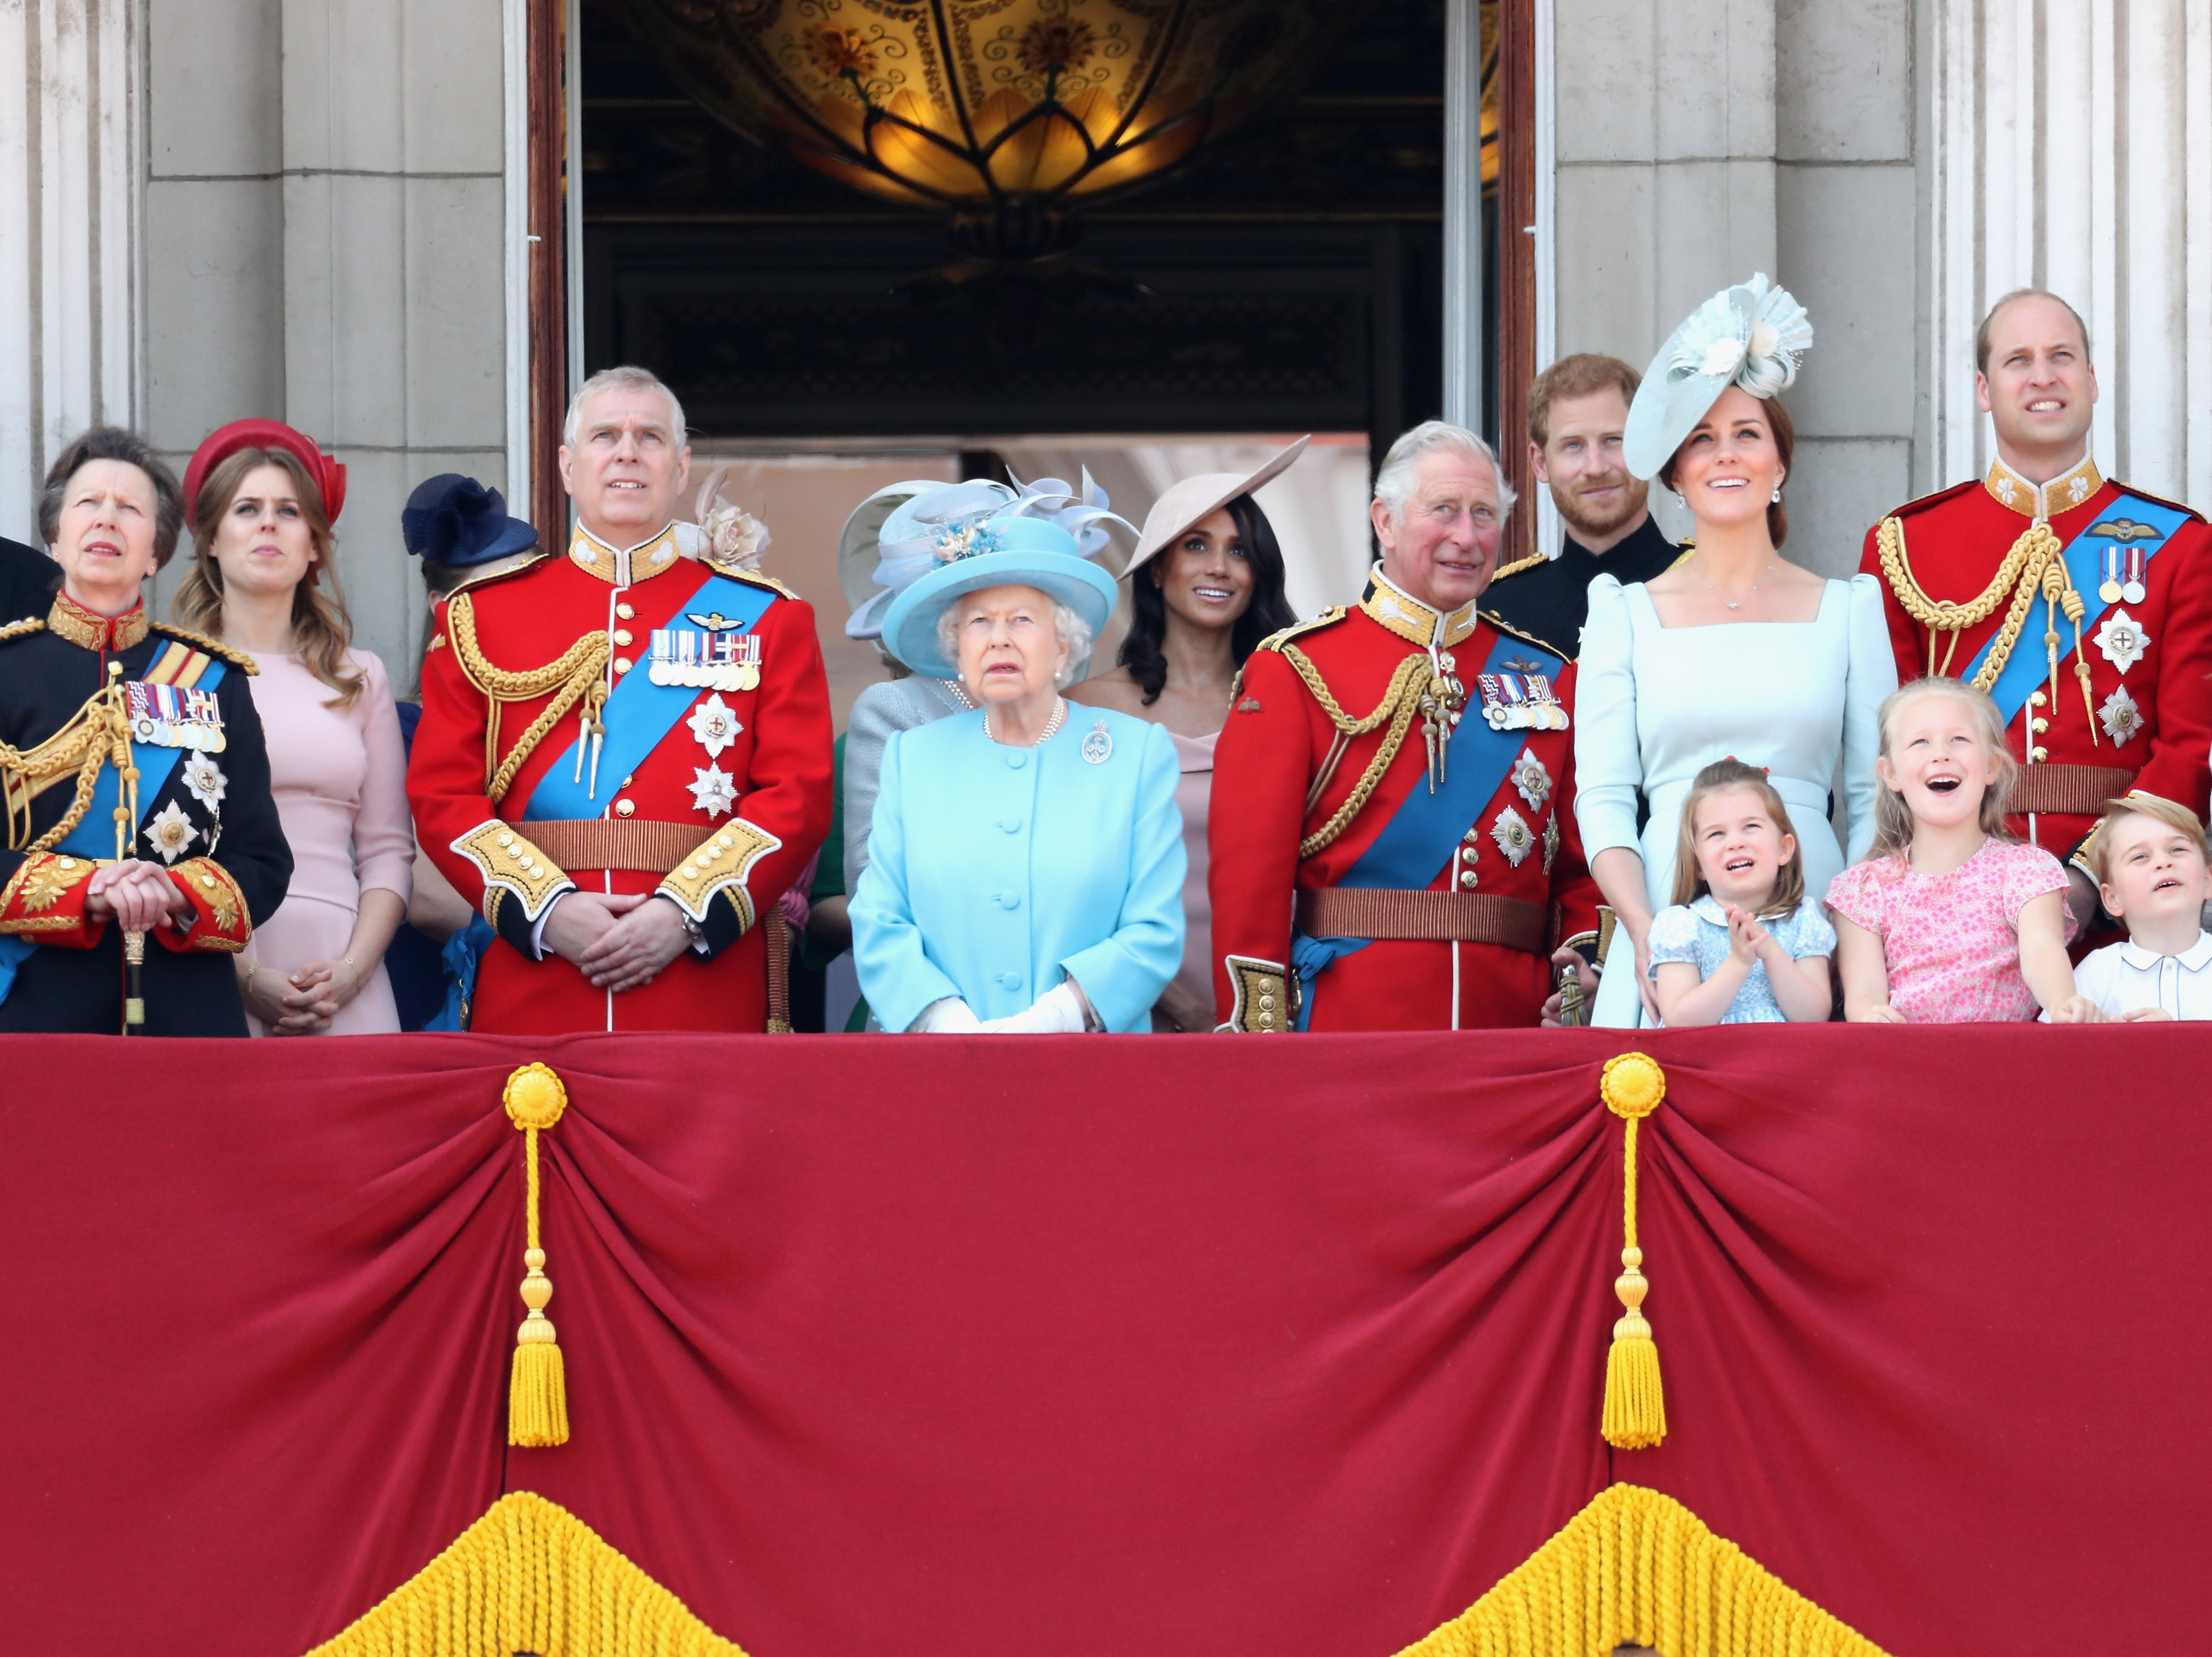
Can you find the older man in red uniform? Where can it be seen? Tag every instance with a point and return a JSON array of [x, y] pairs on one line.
[[1392, 832], [624, 757], [2083, 605]]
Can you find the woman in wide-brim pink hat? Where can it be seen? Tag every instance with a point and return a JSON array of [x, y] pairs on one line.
[[1207, 586]]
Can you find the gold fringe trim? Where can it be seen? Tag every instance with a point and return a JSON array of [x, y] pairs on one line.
[[1636, 1567], [529, 1576]]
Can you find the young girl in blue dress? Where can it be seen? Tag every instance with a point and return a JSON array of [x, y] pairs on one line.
[[1743, 942]]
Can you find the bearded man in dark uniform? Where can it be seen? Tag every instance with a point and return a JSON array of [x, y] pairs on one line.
[[2082, 605]]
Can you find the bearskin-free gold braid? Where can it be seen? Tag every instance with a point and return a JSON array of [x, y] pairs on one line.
[[2043, 547], [97, 734], [579, 667], [1401, 701], [1942, 615]]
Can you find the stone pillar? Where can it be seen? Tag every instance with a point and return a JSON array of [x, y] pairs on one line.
[[327, 212], [70, 137], [2072, 149]]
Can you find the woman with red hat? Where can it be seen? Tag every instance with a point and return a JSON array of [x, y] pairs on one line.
[[262, 498]]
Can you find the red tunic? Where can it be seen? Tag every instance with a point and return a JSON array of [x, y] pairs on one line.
[[1278, 736], [725, 863], [1954, 542]]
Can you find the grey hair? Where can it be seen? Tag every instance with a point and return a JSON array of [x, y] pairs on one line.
[[627, 377], [1394, 483], [114, 443], [1070, 630]]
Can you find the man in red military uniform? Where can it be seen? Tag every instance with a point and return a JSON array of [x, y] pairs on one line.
[[624, 755], [1392, 836], [2083, 605]]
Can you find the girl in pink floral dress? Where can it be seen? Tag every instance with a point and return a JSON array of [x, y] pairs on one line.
[[1950, 920]]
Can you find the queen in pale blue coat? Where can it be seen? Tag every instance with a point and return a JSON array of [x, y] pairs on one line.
[[1025, 860]]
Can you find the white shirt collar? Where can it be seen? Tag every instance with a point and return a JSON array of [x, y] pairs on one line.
[[2195, 958]]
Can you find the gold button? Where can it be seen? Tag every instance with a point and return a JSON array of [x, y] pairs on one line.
[[507, 839], [2039, 755], [2036, 699], [629, 782], [621, 635], [625, 612], [1267, 1021], [2040, 726], [622, 665], [690, 872], [207, 881], [1267, 1004], [1466, 878], [1472, 836], [727, 843], [623, 808]]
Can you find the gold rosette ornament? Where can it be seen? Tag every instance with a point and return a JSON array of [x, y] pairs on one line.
[[538, 1388], [1634, 1405]]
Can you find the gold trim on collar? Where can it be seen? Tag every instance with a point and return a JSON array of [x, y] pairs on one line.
[[89, 631], [2043, 501], [624, 567], [1389, 605]]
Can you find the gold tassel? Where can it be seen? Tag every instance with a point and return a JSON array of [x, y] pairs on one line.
[[537, 1387], [1635, 1403]]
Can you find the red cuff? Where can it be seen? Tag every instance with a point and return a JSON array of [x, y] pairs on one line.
[[219, 918], [43, 902]]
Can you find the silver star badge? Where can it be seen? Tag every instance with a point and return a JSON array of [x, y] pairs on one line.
[[713, 791]]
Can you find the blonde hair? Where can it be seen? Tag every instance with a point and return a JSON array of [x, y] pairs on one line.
[[320, 626], [1893, 822], [2175, 816], [1724, 777]]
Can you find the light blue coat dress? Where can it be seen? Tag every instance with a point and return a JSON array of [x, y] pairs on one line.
[[1655, 705], [995, 872]]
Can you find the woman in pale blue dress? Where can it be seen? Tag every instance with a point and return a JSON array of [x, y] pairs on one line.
[[1735, 651]]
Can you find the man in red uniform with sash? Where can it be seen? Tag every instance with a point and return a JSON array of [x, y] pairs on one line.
[[1392, 832], [2083, 605], [624, 755]]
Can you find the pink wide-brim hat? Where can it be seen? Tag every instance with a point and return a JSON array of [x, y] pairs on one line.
[[1193, 499]]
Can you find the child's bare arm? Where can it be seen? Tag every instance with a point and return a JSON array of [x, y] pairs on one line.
[[1684, 1002], [2044, 964], [1803, 988], [1866, 975]]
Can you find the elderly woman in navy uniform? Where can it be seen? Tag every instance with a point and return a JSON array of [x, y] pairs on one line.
[[138, 807], [1025, 868]]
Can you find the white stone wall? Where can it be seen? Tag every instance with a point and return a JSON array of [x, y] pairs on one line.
[[70, 140], [325, 244], [1697, 141], [2071, 148]]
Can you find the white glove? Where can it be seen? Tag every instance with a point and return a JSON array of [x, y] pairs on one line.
[[947, 1015], [1057, 1012]]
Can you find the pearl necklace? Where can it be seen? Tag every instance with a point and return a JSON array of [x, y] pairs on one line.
[[1059, 718]]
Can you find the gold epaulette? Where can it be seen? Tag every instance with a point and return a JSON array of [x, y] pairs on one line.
[[27, 625], [752, 576], [1526, 637], [214, 647], [1519, 566], [1328, 618]]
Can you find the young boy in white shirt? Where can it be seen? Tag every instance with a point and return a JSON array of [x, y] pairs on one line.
[[2149, 855]]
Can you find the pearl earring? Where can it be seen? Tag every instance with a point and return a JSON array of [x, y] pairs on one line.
[[1777, 500]]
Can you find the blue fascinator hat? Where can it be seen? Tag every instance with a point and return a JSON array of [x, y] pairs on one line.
[[1751, 334], [960, 538], [453, 519]]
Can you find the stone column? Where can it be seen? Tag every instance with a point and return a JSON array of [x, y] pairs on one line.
[[70, 137], [2072, 149]]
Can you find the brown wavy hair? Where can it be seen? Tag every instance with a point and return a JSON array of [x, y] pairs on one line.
[[320, 626], [1720, 777], [1785, 446]]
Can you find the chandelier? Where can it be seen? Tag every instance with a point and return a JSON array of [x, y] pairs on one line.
[[1003, 112]]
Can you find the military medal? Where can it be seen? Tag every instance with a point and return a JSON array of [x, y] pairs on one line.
[[2133, 589], [1521, 701], [708, 658], [171, 833], [2110, 588], [1098, 745], [714, 791], [2121, 640], [1513, 836], [169, 716], [714, 725]]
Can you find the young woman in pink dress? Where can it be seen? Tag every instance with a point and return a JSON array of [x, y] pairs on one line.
[[1207, 586], [262, 498]]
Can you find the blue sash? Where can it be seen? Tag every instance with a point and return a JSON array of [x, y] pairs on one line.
[[637, 716], [1417, 843], [2026, 669], [93, 837]]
